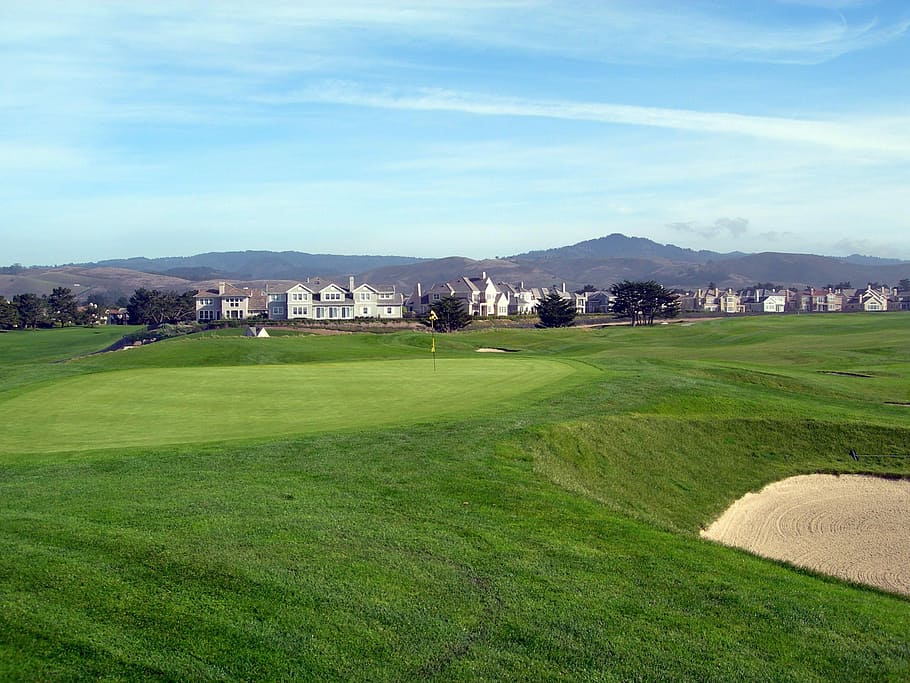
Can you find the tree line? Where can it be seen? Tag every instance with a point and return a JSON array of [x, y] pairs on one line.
[[60, 308]]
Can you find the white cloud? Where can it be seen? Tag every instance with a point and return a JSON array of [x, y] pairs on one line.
[[864, 136]]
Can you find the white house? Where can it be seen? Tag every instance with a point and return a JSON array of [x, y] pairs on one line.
[[315, 300]]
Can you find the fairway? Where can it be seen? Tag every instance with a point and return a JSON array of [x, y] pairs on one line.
[[192, 405]]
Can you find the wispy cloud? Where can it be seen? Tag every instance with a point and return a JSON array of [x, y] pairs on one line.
[[865, 136], [727, 227]]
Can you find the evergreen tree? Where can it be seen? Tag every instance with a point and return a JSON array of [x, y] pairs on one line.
[[555, 311], [450, 314], [154, 308], [61, 306], [30, 309], [9, 315], [643, 301]]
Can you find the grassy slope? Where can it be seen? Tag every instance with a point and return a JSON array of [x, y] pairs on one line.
[[444, 551]]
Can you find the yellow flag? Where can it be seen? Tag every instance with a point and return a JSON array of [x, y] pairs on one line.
[[432, 317], [433, 347]]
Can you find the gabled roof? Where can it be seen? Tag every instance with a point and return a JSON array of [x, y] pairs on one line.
[[299, 285]]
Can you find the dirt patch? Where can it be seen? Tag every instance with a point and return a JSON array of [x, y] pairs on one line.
[[897, 403], [490, 349], [844, 374], [850, 526]]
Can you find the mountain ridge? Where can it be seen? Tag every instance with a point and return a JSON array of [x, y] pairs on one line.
[[599, 262]]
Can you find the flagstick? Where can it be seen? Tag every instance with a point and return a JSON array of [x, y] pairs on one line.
[[433, 318]]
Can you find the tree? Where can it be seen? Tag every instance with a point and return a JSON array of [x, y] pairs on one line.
[[904, 284], [450, 314], [642, 301], [555, 311], [154, 308], [9, 315], [30, 309], [586, 288], [61, 306]]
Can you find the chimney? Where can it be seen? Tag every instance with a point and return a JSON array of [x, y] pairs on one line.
[[351, 283], [483, 275], [419, 291], [563, 287]]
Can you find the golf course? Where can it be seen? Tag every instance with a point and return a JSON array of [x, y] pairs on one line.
[[311, 507]]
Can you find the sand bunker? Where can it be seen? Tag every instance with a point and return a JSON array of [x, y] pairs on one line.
[[851, 526]]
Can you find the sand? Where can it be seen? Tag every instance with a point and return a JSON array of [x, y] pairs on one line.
[[851, 526]]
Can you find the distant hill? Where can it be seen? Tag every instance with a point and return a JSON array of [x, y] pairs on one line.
[[620, 246], [252, 265], [872, 260], [84, 281], [599, 262]]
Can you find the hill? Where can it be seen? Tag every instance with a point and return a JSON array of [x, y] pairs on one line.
[[599, 262], [257, 265], [619, 246]]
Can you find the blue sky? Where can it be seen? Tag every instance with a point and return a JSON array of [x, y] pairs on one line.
[[477, 128]]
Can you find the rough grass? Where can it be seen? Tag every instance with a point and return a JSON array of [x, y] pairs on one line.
[[551, 535]]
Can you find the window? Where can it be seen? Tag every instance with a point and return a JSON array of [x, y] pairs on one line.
[[277, 310], [206, 302], [320, 312], [299, 296], [435, 297], [364, 311], [331, 296], [388, 310], [365, 296], [207, 315], [385, 295]]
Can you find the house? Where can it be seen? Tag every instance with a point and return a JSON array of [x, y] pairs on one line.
[[730, 302], [870, 299], [117, 316], [311, 300], [479, 296], [599, 302], [578, 299], [773, 303], [522, 300]]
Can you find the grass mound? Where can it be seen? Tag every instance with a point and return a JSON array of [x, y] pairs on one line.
[[680, 474]]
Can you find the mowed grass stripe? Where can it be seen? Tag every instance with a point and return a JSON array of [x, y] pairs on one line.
[[191, 405]]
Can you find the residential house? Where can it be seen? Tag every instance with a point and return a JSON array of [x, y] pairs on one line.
[[730, 302], [599, 302], [479, 296], [578, 299], [870, 299], [522, 300], [313, 300]]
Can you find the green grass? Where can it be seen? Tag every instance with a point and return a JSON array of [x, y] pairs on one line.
[[191, 405], [523, 517]]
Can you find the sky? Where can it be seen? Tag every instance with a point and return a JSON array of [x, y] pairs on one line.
[[476, 128]]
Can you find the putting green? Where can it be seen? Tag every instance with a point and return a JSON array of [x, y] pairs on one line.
[[151, 407]]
